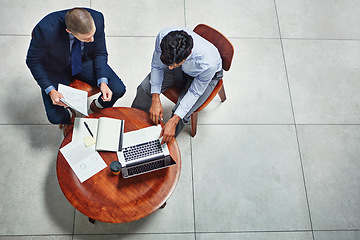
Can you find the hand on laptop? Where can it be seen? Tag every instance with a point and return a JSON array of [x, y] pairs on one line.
[[168, 131]]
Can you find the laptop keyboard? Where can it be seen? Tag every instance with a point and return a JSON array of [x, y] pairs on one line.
[[142, 150]]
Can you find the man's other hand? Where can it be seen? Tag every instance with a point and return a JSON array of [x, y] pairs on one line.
[[106, 92], [168, 131], [156, 109]]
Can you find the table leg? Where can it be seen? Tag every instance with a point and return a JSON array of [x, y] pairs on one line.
[[92, 220], [163, 206]]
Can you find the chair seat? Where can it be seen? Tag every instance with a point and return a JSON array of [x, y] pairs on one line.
[[85, 87]]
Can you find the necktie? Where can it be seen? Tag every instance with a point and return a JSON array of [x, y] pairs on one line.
[[76, 57]]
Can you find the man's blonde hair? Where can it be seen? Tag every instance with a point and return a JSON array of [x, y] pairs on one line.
[[78, 20]]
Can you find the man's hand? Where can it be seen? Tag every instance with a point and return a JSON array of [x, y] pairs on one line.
[[55, 98], [106, 92], [156, 109], [168, 131]]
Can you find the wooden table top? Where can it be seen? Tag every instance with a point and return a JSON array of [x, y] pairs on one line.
[[109, 198]]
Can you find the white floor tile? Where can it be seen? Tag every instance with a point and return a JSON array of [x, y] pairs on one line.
[[255, 236], [332, 172], [248, 178], [139, 18], [31, 201], [130, 58], [20, 17], [335, 235], [256, 87], [20, 95], [235, 18], [324, 81], [321, 19]]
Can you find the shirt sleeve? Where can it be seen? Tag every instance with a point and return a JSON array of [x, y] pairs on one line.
[[157, 68], [49, 89], [196, 89], [102, 80]]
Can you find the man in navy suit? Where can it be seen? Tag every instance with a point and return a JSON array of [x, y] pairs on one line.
[[66, 45]]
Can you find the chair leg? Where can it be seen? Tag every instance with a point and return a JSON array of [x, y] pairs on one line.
[[194, 118], [222, 94]]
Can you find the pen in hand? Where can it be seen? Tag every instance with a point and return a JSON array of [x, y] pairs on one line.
[[87, 127]]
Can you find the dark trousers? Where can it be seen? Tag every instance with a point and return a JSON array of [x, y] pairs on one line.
[[59, 115]]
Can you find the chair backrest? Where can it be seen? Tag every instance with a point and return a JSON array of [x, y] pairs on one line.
[[224, 46]]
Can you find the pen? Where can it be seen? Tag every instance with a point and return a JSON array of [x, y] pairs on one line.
[[87, 127]]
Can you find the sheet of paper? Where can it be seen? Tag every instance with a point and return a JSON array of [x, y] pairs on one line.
[[84, 161], [74, 98]]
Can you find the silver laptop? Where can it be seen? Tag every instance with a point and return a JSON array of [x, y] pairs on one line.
[[143, 153]]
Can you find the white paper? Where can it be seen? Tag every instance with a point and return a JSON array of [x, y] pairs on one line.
[[74, 98], [84, 161]]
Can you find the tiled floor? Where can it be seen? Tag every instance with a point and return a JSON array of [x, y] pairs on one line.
[[280, 159]]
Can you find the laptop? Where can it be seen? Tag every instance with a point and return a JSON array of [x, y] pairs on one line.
[[142, 152]]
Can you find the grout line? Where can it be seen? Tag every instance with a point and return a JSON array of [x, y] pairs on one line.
[[180, 233], [192, 184], [216, 124], [73, 231], [185, 17], [296, 130], [230, 37]]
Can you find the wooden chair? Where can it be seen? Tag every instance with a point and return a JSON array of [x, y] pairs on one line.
[[85, 87], [226, 51]]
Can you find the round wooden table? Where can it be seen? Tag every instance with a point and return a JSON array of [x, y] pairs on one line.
[[113, 199]]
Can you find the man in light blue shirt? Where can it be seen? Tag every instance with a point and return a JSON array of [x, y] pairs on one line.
[[185, 59]]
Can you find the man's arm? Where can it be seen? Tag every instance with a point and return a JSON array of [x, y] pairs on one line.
[[196, 89], [39, 44], [156, 79], [100, 52]]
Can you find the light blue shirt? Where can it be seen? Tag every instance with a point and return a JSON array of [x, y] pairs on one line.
[[99, 81], [202, 64]]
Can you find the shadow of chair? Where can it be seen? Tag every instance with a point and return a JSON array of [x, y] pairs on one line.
[[226, 51]]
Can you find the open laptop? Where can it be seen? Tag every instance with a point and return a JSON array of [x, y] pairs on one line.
[[142, 152]]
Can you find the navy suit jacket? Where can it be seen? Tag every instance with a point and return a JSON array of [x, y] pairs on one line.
[[49, 49]]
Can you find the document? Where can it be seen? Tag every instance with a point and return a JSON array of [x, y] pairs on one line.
[[84, 161], [108, 132], [74, 98]]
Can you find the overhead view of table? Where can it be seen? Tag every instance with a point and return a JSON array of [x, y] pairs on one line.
[[111, 198]]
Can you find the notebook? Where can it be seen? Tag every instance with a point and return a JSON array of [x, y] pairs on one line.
[[142, 152], [107, 132]]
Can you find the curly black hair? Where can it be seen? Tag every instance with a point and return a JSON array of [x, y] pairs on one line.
[[176, 46]]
